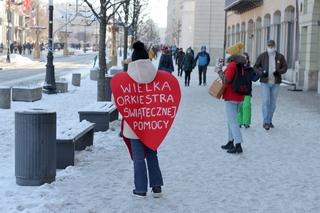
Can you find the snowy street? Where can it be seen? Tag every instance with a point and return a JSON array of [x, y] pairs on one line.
[[277, 173], [25, 71]]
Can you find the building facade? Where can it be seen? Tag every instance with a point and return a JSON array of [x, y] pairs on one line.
[[293, 24], [196, 23], [309, 66], [12, 23]]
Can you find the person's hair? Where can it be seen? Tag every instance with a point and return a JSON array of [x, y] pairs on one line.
[[247, 58]]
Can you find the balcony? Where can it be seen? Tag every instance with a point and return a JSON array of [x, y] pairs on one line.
[[241, 6]]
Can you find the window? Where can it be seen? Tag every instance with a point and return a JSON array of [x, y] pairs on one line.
[[305, 6], [278, 36], [290, 44], [277, 29], [9, 16]]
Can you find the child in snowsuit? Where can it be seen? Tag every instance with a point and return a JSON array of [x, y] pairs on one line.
[[244, 114]]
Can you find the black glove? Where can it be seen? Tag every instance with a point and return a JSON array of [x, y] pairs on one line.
[[264, 73], [276, 73]]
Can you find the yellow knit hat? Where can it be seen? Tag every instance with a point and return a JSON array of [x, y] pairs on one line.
[[235, 49]]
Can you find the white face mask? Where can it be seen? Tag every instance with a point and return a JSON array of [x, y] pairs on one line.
[[271, 49], [227, 55]]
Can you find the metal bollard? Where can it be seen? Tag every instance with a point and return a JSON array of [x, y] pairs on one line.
[[35, 147], [76, 79], [108, 88], [5, 97]]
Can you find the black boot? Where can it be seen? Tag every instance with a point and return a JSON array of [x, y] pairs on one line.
[[266, 126], [228, 146], [156, 191], [139, 194], [236, 150]]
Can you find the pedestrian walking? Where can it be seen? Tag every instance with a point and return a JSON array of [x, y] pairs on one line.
[[1, 48], [187, 66], [203, 59], [11, 48], [244, 114], [179, 59], [151, 53], [270, 65], [155, 51], [19, 46], [166, 61], [232, 98], [141, 70]]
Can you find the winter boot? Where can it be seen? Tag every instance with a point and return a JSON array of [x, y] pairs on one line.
[[156, 192], [139, 194], [228, 146], [266, 126], [236, 150], [271, 125]]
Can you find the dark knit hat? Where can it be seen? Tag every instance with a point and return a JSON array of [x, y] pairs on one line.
[[271, 43], [139, 51]]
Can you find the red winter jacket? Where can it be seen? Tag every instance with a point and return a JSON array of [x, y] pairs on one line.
[[230, 73]]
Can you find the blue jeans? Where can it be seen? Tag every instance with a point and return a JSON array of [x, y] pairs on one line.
[[140, 171], [269, 95], [232, 109]]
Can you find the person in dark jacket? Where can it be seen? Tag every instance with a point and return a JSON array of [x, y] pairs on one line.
[[244, 114], [166, 62], [179, 59], [203, 59], [188, 65], [270, 65]]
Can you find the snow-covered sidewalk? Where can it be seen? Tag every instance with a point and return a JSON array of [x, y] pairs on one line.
[[279, 170]]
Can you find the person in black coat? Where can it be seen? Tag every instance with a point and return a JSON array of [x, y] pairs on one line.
[[166, 62], [188, 65], [179, 59]]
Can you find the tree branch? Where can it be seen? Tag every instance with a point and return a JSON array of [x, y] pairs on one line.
[[92, 9]]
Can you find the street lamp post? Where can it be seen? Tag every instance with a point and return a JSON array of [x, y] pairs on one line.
[[50, 84], [8, 47], [8, 32]]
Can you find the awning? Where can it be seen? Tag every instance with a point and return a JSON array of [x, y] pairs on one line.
[[241, 6]]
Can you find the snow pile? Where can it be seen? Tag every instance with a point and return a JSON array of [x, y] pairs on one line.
[[17, 59], [99, 107], [71, 130]]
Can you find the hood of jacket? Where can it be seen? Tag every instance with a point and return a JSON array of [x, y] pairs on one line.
[[239, 59], [142, 71]]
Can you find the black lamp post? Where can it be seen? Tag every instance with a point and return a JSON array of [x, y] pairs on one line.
[[50, 84], [8, 47]]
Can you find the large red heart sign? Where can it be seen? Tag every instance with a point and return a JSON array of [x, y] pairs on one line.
[[149, 109]]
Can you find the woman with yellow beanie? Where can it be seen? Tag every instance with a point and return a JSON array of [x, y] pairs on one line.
[[233, 99]]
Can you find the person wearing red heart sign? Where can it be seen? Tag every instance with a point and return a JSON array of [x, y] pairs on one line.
[[148, 102]]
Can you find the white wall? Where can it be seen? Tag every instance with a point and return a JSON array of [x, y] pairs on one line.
[[187, 28]]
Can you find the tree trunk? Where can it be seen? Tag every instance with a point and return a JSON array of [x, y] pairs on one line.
[[102, 58], [125, 46]]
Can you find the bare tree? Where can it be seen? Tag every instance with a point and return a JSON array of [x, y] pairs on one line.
[[103, 13], [149, 33], [132, 10]]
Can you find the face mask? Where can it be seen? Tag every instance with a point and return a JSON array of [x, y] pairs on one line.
[[271, 49], [227, 55]]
